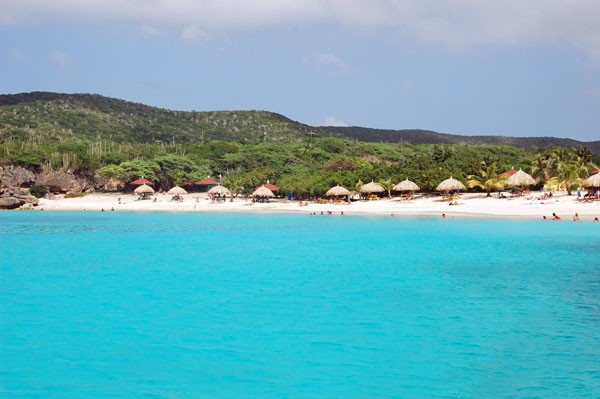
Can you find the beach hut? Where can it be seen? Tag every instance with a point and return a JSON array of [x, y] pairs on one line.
[[219, 191], [262, 191], [520, 178], [144, 189], [592, 181], [372, 187], [141, 181], [177, 191], [337, 191], [450, 184], [406, 185]]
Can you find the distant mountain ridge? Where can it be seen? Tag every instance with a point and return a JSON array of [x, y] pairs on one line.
[[416, 136]]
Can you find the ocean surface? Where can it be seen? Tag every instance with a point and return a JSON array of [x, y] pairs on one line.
[[158, 305]]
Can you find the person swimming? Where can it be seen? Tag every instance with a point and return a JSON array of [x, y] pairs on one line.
[[555, 216]]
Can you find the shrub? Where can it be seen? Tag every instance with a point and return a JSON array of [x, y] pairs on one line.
[[38, 190]]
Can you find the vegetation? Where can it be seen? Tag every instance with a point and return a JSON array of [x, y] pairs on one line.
[[38, 190], [93, 136]]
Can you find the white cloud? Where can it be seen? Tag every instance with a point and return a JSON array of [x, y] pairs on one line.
[[150, 30], [194, 33], [333, 121], [452, 23], [61, 60], [331, 60]]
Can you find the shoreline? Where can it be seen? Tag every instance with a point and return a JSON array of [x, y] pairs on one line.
[[469, 206]]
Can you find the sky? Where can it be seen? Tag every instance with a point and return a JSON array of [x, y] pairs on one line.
[[473, 67]]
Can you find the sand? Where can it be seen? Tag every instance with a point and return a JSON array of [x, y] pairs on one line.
[[469, 205]]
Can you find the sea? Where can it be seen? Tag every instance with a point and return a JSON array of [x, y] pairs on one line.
[[206, 305]]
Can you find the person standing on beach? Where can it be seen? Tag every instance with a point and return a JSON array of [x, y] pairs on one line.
[[576, 217]]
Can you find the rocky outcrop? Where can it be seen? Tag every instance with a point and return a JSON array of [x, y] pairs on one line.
[[63, 182], [108, 183], [14, 181]]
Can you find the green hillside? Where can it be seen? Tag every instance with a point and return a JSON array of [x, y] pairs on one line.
[[51, 116]]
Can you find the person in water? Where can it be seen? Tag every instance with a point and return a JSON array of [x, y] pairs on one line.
[[555, 216]]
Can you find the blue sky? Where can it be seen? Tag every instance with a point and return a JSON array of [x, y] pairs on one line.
[[515, 68]]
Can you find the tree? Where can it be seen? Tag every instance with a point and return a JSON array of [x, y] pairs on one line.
[[487, 179], [568, 176], [388, 185]]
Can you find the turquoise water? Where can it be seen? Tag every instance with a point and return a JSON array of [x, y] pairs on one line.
[[98, 305]]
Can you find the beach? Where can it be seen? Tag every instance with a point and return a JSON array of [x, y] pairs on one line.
[[467, 205]]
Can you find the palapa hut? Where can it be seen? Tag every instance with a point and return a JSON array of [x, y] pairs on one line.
[[337, 191], [450, 184], [219, 191], [520, 179], [407, 187], [372, 188], [177, 191], [143, 191], [592, 181], [263, 192]]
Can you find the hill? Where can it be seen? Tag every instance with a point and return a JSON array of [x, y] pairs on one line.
[[416, 136], [87, 116]]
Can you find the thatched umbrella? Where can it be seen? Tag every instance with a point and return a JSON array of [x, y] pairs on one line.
[[177, 191], [372, 188], [592, 181], [520, 178], [450, 185], [144, 189], [262, 191], [406, 185], [337, 191], [220, 190]]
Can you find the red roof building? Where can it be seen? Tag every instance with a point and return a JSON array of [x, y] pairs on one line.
[[270, 186], [207, 182], [508, 173], [141, 181]]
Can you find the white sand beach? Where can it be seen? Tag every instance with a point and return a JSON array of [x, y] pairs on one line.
[[469, 205]]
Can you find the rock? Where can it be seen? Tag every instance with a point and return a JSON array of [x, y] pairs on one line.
[[61, 182], [10, 203], [108, 184], [12, 179]]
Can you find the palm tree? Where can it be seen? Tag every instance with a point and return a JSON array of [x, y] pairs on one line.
[[487, 179], [583, 157], [568, 176], [539, 167], [388, 185]]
